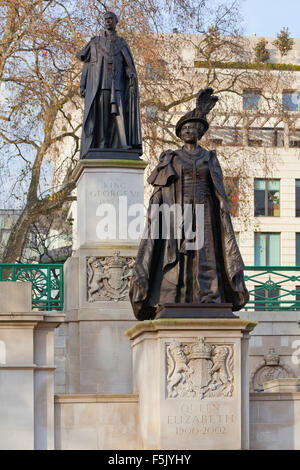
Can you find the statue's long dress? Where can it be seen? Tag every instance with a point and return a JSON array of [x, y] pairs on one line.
[[200, 270], [199, 267]]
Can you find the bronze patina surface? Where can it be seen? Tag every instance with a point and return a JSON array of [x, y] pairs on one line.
[[110, 87], [167, 270]]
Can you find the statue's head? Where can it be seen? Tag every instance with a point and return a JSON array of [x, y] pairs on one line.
[[110, 21], [192, 131], [195, 121], [190, 124]]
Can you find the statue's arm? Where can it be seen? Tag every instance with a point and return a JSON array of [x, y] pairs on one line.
[[85, 53], [83, 79], [164, 173], [85, 56], [130, 67], [156, 197], [221, 188]]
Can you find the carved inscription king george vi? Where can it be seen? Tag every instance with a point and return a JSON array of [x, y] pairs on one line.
[[199, 370], [108, 277]]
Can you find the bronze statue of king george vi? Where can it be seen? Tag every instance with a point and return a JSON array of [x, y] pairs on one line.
[[110, 87]]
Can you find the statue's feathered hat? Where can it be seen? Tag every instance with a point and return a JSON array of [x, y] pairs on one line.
[[205, 102]]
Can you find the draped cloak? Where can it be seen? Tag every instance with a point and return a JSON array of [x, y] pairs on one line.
[[92, 79], [159, 258]]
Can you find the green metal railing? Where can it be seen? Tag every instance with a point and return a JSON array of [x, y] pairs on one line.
[[273, 287], [270, 287], [47, 282]]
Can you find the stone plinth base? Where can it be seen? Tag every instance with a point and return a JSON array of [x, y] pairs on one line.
[[97, 307], [15, 297], [108, 190], [96, 422], [26, 371], [289, 385], [275, 420], [97, 351], [192, 379], [123, 154], [204, 310]]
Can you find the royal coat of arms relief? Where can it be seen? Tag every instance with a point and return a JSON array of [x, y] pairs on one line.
[[271, 368], [108, 277], [199, 370]]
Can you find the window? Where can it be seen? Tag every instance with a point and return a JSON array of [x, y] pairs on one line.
[[232, 190], [266, 198], [297, 198], [297, 297], [267, 249], [255, 143], [255, 136], [151, 111], [264, 298], [225, 136], [216, 141], [251, 99], [290, 101], [297, 249], [294, 138], [156, 72], [279, 137]]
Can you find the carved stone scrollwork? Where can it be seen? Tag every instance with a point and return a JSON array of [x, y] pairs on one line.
[[199, 370], [271, 368], [108, 277]]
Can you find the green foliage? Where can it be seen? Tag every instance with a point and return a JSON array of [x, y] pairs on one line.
[[284, 43], [246, 65], [261, 52]]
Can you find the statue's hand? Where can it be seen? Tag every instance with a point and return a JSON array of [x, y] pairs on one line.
[[130, 74], [132, 77]]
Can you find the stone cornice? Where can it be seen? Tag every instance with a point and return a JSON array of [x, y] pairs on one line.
[[107, 163], [190, 324]]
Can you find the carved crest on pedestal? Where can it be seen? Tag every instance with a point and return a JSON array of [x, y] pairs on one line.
[[199, 370], [271, 368], [108, 277]]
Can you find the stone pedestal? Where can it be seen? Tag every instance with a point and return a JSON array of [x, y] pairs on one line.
[[203, 310], [26, 371], [286, 385], [110, 193], [192, 379]]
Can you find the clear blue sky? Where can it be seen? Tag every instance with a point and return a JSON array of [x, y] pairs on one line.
[[268, 17]]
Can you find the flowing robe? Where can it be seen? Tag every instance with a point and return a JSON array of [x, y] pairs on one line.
[[107, 70], [158, 259]]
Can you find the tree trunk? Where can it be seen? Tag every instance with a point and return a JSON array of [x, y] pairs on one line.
[[15, 242]]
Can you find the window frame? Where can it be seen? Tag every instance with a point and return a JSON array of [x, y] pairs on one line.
[[297, 233], [296, 215], [264, 306], [266, 204], [254, 92], [256, 234], [290, 92]]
